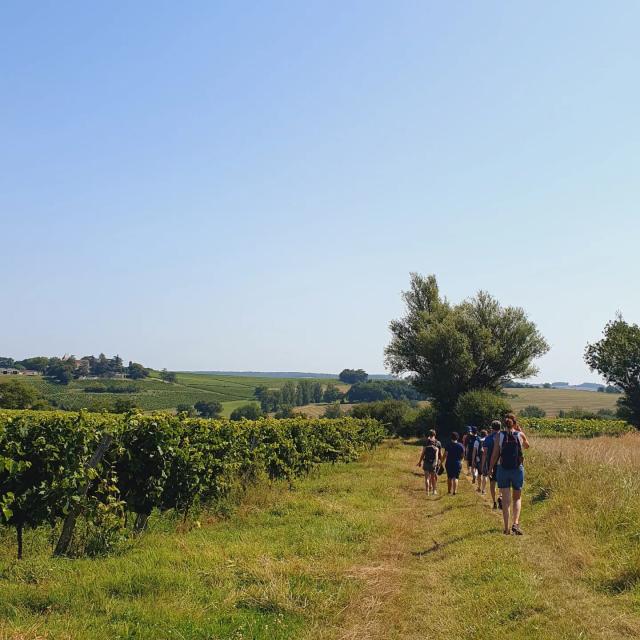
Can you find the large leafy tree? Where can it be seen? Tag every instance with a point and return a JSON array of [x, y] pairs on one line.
[[353, 376], [450, 349], [617, 358]]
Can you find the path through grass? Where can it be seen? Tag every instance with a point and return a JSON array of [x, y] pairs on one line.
[[354, 551]]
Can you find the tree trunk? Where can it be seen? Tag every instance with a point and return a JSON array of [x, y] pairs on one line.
[[141, 522], [70, 521], [19, 536]]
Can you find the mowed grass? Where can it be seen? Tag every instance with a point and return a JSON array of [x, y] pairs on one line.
[[555, 400], [359, 552]]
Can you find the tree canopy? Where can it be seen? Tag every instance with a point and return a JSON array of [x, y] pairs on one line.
[[451, 349], [616, 357], [352, 376]]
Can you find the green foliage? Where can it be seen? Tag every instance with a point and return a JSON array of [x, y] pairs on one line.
[[332, 393], [533, 411], [479, 408], [187, 409], [575, 427], [111, 386], [168, 376], [397, 416], [208, 408], [136, 371], [249, 411], [451, 349], [285, 411], [617, 358], [155, 462], [332, 411], [353, 376], [60, 370], [15, 394], [374, 390]]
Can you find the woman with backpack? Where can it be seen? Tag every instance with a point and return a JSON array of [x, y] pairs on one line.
[[508, 454], [430, 461], [453, 456]]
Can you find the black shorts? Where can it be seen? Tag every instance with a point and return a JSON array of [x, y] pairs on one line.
[[453, 470]]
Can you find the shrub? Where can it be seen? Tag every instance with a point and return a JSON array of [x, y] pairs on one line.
[[480, 407], [533, 411], [332, 410], [249, 411], [208, 408], [186, 409], [395, 415]]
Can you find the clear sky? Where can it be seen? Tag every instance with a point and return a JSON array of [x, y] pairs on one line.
[[243, 185]]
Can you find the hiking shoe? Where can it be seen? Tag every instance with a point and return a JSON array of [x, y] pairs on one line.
[[499, 503], [495, 505], [435, 493], [516, 530]]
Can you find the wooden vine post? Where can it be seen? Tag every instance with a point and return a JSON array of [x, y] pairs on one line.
[[70, 521]]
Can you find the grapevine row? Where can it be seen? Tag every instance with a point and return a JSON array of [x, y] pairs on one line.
[[56, 465]]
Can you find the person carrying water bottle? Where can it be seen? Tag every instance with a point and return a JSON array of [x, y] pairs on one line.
[[508, 454]]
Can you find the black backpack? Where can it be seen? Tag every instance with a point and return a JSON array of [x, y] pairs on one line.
[[511, 456], [479, 452], [430, 452]]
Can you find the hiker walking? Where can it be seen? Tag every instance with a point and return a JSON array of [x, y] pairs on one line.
[[453, 456], [478, 464], [430, 461], [488, 468], [508, 454], [468, 440]]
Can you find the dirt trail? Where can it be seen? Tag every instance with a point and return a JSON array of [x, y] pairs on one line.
[[446, 571]]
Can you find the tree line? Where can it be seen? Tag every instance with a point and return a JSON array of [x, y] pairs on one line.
[[68, 368]]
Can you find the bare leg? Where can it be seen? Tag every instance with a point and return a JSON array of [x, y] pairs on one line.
[[455, 486], [506, 503], [434, 482], [517, 505], [427, 482], [492, 488], [449, 484]]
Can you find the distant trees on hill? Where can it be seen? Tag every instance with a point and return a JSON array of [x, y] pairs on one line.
[[296, 394], [375, 390], [68, 368], [353, 376]]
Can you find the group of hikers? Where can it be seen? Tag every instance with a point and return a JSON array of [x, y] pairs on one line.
[[494, 456]]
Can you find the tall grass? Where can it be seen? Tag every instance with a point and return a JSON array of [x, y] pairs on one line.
[[587, 496]]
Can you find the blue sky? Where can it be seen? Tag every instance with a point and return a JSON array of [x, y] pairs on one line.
[[235, 185]]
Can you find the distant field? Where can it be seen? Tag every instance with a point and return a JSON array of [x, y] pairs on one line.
[[555, 400], [155, 395]]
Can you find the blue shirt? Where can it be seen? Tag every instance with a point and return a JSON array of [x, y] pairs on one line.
[[455, 453], [489, 443]]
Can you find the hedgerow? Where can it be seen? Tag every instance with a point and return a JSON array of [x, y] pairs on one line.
[[576, 427], [56, 465]]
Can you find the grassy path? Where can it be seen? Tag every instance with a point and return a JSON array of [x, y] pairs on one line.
[[446, 571], [354, 552]]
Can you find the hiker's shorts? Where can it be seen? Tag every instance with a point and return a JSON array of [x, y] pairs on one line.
[[430, 467], [453, 470], [510, 478]]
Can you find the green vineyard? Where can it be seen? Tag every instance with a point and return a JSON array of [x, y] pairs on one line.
[[55, 466]]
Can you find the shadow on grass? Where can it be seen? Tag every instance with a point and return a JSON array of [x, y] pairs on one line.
[[438, 546]]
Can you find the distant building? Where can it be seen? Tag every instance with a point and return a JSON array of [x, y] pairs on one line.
[[10, 371]]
